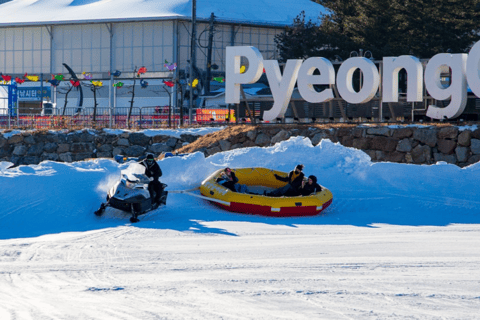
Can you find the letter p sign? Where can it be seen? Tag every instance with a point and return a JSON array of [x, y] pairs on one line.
[[234, 77]]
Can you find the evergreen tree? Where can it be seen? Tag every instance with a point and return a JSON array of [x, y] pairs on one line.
[[386, 28]]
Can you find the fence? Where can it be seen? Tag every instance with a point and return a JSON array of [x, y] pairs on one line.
[[73, 118]]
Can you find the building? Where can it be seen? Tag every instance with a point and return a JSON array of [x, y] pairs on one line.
[[99, 37]]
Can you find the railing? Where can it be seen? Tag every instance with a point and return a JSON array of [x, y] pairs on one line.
[[72, 118]]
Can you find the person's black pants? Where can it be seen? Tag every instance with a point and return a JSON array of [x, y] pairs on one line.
[[155, 188]]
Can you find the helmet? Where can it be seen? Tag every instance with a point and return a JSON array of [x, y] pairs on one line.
[[150, 159]]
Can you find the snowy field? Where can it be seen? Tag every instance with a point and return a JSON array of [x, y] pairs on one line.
[[399, 242]]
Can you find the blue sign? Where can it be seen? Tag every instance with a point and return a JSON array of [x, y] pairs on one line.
[[12, 99], [33, 93]]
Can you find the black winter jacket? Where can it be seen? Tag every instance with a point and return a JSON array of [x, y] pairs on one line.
[[308, 189], [295, 183], [152, 170], [230, 184]]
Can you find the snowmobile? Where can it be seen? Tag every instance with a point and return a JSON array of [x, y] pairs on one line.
[[131, 195]]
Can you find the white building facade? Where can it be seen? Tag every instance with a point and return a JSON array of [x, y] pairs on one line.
[[100, 37]]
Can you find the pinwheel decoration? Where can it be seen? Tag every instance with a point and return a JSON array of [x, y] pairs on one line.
[[117, 73], [32, 78], [118, 84], [54, 82], [219, 79], [97, 83], [143, 84], [169, 83], [140, 71], [170, 66], [194, 83], [87, 76], [75, 83], [58, 77], [6, 78], [19, 80]]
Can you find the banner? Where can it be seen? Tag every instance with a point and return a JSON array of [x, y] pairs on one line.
[[214, 115]]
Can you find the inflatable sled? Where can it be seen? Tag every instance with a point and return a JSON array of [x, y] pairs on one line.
[[260, 204]]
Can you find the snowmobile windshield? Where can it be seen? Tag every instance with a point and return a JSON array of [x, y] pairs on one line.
[[132, 170]]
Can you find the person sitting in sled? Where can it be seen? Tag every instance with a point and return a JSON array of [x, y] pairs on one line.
[[230, 181], [152, 170], [294, 179], [310, 186]]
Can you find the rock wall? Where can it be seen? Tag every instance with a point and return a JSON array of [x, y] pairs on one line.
[[34, 147], [410, 144]]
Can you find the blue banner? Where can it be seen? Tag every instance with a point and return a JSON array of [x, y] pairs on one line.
[[33, 93], [12, 99]]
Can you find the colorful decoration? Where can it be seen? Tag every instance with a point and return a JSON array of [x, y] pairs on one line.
[[118, 84], [58, 77], [75, 83], [194, 83], [54, 82], [169, 83], [117, 73], [87, 76], [97, 83], [143, 84], [32, 78], [140, 71], [170, 66], [242, 69], [219, 79], [19, 80], [6, 78]]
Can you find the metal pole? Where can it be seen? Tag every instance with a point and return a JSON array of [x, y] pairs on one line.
[[192, 56], [209, 56], [111, 89], [114, 103]]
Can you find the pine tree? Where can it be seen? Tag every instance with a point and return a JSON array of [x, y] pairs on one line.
[[386, 28]]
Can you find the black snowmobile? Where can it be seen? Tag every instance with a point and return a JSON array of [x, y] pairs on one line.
[[130, 194]]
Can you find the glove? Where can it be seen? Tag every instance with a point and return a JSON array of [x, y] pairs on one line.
[[276, 175]]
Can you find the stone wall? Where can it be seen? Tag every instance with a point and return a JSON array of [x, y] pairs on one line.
[[419, 145], [409, 144], [34, 147]]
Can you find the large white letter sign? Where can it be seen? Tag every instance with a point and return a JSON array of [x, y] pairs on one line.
[[391, 68], [234, 78], [306, 79], [457, 91], [473, 67], [371, 80], [281, 88]]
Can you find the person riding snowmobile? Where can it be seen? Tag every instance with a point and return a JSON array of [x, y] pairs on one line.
[[152, 170]]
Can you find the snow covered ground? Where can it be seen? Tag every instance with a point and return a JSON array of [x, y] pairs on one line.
[[399, 241]]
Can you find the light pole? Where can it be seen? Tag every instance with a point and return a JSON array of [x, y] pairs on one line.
[[193, 57]]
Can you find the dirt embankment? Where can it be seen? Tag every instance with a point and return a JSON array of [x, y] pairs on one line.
[[209, 139]]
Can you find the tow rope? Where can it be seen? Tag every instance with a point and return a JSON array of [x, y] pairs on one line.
[[189, 192]]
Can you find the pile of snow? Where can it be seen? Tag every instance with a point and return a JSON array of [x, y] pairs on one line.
[[61, 196], [399, 240]]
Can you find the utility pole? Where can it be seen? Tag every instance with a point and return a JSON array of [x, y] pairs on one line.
[[193, 56], [209, 55]]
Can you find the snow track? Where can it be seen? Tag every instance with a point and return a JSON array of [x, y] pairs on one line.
[[265, 271]]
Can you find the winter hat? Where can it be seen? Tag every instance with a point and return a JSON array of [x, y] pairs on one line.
[[150, 156], [299, 167], [314, 179]]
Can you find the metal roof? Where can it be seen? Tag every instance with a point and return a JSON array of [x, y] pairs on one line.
[[252, 12]]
